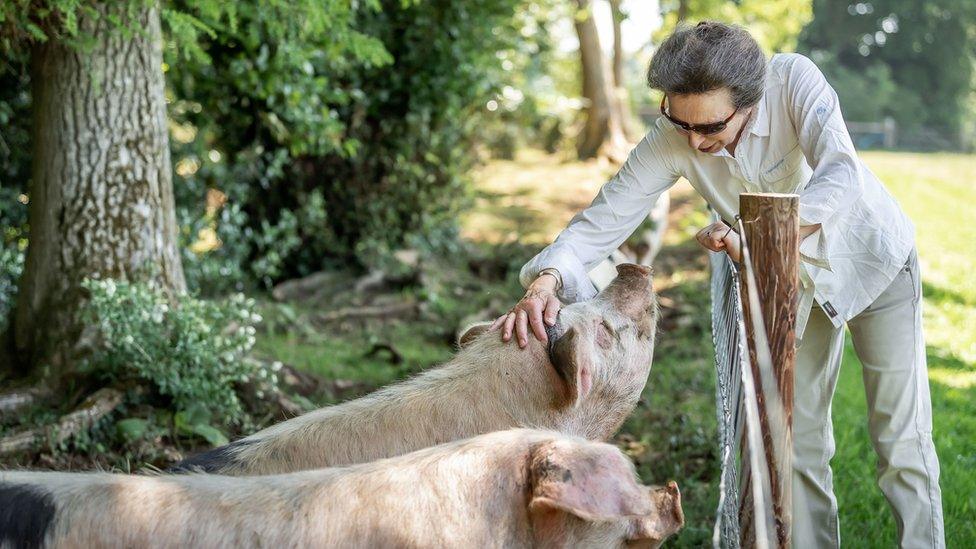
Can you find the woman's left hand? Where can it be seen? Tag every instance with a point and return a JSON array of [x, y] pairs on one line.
[[718, 238]]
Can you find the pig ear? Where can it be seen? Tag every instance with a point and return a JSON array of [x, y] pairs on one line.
[[472, 333], [664, 521], [572, 362], [591, 481]]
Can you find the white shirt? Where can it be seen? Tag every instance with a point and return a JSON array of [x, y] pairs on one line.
[[795, 142]]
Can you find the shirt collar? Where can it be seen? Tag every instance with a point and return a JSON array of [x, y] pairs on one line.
[[759, 121]]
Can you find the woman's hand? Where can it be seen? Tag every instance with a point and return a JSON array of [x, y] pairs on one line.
[[718, 238], [538, 305]]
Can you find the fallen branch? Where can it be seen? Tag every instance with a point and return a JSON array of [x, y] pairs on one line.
[[94, 408], [305, 288], [393, 309], [395, 356], [13, 401]]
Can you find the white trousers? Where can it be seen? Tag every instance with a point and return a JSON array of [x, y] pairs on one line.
[[888, 341]]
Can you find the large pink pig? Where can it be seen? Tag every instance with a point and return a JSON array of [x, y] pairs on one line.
[[584, 382], [516, 488]]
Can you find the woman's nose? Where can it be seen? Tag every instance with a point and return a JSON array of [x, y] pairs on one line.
[[695, 140]]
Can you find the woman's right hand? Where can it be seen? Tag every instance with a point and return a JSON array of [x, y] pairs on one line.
[[537, 308]]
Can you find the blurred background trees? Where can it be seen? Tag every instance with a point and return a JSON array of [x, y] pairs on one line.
[[372, 174], [912, 61], [306, 137]]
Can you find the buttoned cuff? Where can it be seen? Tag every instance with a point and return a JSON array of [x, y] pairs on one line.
[[813, 249], [555, 274], [576, 286]]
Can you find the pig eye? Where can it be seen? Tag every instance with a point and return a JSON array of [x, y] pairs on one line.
[[606, 336]]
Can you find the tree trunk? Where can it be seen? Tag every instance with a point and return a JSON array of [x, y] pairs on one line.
[[101, 195], [621, 99], [682, 10], [603, 134]]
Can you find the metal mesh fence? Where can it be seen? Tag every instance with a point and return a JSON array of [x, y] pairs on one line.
[[730, 348], [736, 400]]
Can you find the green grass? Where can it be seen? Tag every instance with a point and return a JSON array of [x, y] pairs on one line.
[[672, 433], [938, 194]]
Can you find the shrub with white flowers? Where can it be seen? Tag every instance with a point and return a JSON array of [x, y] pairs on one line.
[[192, 351]]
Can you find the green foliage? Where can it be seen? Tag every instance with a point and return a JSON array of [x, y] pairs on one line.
[[775, 25], [867, 95], [538, 101], [253, 95], [14, 167], [327, 150], [921, 53], [192, 354], [27, 23], [11, 265]]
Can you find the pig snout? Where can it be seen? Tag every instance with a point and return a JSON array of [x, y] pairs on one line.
[[665, 519], [667, 502], [632, 293]]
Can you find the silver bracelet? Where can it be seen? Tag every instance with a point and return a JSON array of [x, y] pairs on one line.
[[555, 274]]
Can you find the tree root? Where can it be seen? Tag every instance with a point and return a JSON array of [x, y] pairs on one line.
[[95, 407]]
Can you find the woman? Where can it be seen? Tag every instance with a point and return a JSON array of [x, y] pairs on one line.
[[735, 123]]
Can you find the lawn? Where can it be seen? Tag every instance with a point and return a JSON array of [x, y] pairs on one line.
[[937, 192], [672, 433]]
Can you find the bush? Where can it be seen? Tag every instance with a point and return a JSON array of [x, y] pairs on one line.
[[333, 153], [192, 354], [11, 265]]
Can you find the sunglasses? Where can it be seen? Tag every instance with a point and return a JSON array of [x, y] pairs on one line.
[[700, 129]]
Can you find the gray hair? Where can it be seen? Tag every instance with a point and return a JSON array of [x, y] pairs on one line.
[[707, 57]]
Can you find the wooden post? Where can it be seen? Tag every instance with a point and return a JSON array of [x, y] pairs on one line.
[[771, 225]]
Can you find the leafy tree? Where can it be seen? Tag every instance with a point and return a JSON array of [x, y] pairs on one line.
[[101, 197], [101, 200], [775, 25], [918, 55], [338, 157], [603, 132]]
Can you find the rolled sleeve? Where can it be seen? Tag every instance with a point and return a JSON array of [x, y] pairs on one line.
[[837, 182], [620, 206]]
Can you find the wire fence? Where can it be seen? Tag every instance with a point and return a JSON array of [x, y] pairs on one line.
[[737, 405], [730, 349]]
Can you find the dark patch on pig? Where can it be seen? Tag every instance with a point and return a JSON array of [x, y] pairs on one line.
[[548, 469], [211, 461], [552, 334], [562, 355], [26, 514]]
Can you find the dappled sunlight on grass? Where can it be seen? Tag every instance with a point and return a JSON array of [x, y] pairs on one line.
[[937, 193], [530, 199], [672, 433], [953, 378]]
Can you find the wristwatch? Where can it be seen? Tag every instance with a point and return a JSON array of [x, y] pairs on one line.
[[555, 274]]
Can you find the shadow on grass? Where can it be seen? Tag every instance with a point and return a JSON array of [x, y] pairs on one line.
[[865, 517], [941, 294], [942, 358]]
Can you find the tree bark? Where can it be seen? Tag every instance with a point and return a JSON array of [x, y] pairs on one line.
[[603, 134], [618, 46], [621, 98], [682, 10], [772, 228], [101, 196]]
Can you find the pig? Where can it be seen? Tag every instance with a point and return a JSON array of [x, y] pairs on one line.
[[584, 382], [515, 488]]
